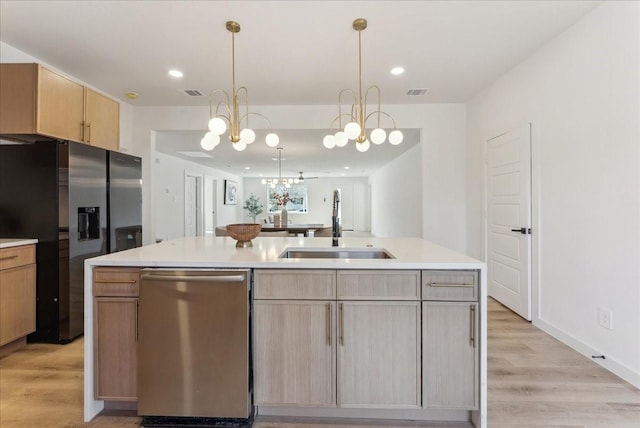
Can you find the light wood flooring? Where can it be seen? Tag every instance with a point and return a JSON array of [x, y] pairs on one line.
[[534, 381]]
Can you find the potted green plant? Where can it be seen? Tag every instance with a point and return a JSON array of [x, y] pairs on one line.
[[253, 206]]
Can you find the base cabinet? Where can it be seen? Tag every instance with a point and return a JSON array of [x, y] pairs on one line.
[[294, 353], [450, 351], [17, 293], [115, 311], [337, 346], [379, 354], [115, 337]]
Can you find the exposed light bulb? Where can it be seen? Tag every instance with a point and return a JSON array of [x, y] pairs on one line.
[[209, 141], [396, 137], [329, 141], [217, 126], [378, 136], [352, 129], [247, 135], [341, 139], [272, 139], [364, 146], [240, 145]]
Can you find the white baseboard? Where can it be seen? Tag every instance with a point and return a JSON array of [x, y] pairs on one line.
[[609, 363]]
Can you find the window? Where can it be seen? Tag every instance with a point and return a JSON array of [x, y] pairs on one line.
[[295, 197]]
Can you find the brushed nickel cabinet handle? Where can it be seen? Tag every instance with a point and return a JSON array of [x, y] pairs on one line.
[[8, 258], [194, 278], [88, 132], [342, 324], [472, 337], [439, 284], [82, 125], [329, 324], [116, 281]]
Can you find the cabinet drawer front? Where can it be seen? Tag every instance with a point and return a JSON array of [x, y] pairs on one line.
[[17, 303], [449, 285], [294, 284], [378, 285], [17, 256], [116, 282]]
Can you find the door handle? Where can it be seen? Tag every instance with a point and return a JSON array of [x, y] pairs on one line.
[[341, 324], [523, 230], [329, 324], [472, 327]]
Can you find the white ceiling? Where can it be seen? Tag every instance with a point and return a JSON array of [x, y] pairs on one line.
[[287, 52]]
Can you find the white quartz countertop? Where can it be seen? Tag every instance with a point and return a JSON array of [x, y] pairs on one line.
[[16, 242], [203, 252]]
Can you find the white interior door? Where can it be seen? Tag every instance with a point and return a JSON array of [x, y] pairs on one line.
[[509, 219], [210, 198], [193, 206]]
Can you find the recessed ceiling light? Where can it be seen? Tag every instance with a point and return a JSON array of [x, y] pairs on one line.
[[346, 167], [176, 73], [397, 70], [247, 168]]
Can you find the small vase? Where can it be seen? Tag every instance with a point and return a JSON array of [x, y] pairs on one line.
[[283, 218]]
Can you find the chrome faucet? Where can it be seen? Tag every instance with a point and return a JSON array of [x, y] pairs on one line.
[[335, 221]]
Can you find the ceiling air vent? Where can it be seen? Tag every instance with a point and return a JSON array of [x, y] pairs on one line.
[[414, 92], [193, 92]]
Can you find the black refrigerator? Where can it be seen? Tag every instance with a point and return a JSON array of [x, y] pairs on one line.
[[58, 192]]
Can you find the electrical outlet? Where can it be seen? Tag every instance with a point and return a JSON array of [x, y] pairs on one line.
[[605, 318]]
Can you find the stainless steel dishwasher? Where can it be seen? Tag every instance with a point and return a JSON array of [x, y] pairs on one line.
[[193, 344]]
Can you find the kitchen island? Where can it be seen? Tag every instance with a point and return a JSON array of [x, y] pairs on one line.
[[428, 293]]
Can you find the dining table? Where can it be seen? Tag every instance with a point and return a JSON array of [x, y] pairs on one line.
[[296, 229]]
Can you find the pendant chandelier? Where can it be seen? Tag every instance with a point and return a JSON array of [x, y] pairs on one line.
[[227, 111], [280, 182], [357, 115]]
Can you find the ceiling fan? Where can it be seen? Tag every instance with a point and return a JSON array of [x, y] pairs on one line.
[[302, 178]]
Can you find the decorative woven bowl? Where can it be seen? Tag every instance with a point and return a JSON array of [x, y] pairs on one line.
[[244, 233]]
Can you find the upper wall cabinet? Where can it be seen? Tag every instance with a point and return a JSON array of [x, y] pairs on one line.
[[35, 101]]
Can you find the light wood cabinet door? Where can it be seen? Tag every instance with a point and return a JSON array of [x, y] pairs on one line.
[[450, 351], [378, 285], [36, 101], [17, 303], [115, 348], [378, 354], [60, 104], [295, 284], [18, 90], [102, 121], [294, 353]]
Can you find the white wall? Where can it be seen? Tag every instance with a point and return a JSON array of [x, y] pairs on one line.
[[442, 128], [320, 200], [396, 197], [581, 94], [169, 197]]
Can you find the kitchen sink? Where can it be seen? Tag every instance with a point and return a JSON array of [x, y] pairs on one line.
[[336, 253]]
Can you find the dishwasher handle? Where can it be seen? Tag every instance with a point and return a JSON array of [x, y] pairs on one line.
[[195, 278]]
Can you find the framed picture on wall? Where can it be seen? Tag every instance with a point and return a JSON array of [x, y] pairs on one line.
[[230, 192]]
